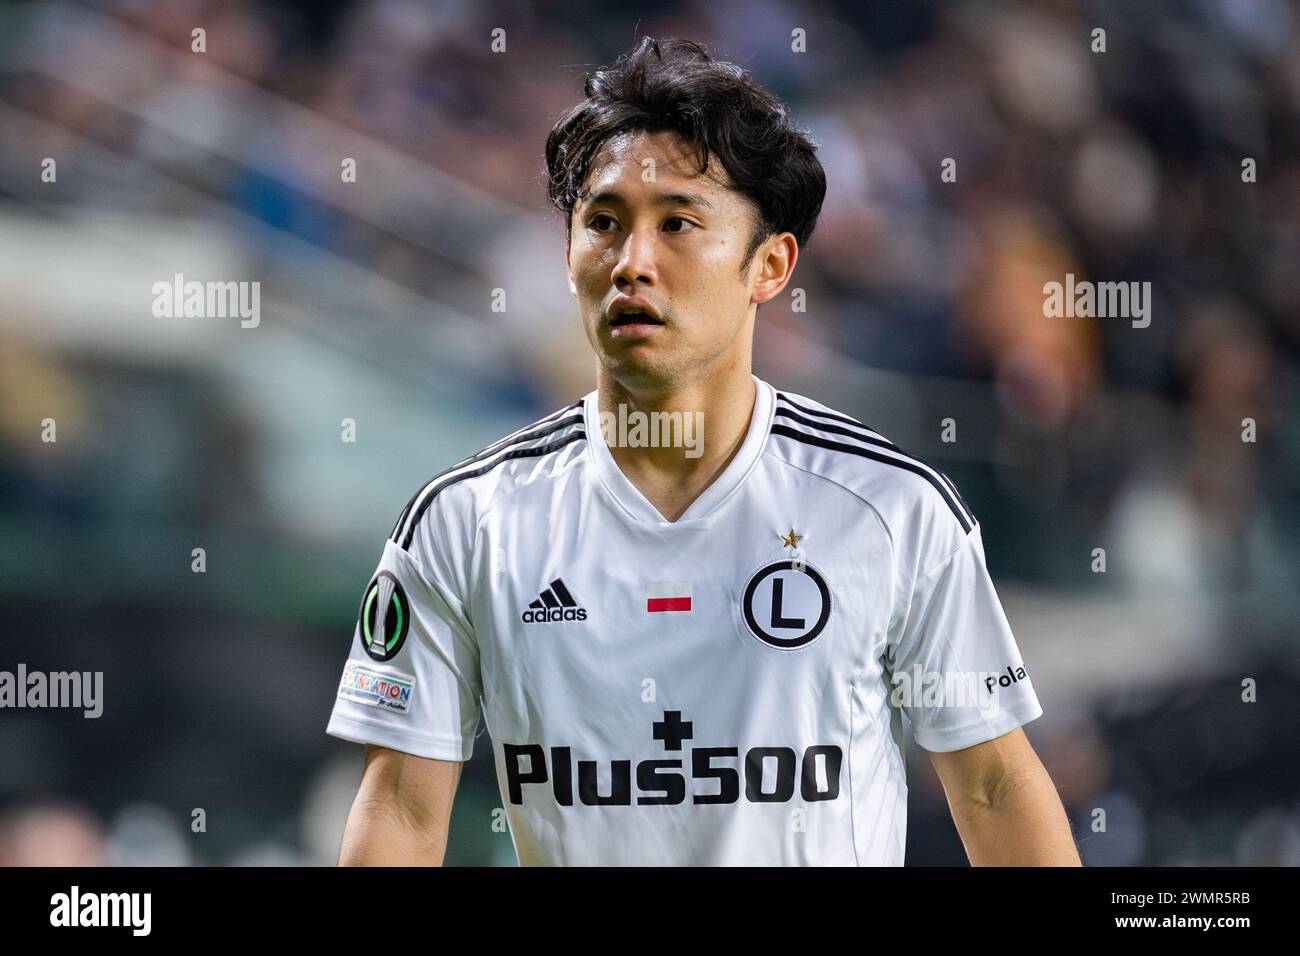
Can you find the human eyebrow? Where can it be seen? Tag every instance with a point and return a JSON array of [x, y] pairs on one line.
[[659, 199]]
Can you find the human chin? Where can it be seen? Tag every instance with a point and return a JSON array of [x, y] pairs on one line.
[[637, 363]]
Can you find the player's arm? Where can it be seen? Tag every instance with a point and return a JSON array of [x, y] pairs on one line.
[[1004, 804], [401, 811]]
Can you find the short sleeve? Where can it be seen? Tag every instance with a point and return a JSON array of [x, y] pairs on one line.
[[411, 681], [956, 670]]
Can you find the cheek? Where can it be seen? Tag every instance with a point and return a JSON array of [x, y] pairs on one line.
[[592, 270], [722, 258], [715, 277]]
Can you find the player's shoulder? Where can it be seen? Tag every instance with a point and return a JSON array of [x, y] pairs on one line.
[[459, 493], [906, 490]]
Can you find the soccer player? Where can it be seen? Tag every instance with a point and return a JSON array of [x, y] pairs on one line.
[[693, 606]]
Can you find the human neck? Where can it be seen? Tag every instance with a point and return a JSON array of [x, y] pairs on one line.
[[671, 476]]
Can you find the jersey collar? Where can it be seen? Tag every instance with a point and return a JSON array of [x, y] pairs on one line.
[[633, 504]]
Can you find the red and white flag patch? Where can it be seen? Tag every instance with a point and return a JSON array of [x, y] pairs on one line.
[[668, 596]]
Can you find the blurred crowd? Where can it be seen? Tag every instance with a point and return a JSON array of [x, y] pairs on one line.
[[1165, 149]]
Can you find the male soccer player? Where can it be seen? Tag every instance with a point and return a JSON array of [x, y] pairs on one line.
[[689, 651]]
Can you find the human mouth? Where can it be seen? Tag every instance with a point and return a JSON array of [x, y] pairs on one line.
[[633, 318]]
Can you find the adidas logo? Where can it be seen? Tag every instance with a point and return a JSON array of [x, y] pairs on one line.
[[554, 604]]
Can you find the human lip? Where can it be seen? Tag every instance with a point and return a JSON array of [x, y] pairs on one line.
[[632, 310], [632, 318]]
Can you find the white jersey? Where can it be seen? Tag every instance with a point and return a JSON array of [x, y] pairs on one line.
[[726, 688]]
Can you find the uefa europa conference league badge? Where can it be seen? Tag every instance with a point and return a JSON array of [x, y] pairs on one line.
[[385, 617]]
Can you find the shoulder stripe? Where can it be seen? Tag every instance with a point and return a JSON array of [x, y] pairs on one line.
[[872, 438], [839, 430], [787, 432], [515, 436], [536, 451], [957, 494], [832, 416], [525, 434]]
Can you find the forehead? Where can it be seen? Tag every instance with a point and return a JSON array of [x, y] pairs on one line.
[[623, 158]]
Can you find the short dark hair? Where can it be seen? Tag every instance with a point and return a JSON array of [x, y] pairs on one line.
[[675, 85]]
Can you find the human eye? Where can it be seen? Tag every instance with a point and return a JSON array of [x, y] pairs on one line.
[[592, 221], [685, 222]]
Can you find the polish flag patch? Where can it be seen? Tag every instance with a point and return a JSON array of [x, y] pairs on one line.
[[668, 596]]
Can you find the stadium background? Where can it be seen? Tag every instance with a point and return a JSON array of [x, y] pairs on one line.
[[924, 302]]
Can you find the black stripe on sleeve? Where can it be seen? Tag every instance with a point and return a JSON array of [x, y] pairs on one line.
[[788, 432], [535, 452], [482, 456], [882, 443], [543, 426], [832, 416]]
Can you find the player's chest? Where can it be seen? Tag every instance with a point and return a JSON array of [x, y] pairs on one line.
[[756, 601]]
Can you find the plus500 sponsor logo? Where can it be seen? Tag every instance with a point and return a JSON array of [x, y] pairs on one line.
[[770, 775]]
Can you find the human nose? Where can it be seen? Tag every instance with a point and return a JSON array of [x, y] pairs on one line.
[[636, 262]]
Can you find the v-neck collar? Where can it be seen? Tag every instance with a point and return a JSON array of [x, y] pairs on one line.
[[636, 507]]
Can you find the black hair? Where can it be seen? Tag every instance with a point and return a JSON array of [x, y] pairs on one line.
[[675, 85]]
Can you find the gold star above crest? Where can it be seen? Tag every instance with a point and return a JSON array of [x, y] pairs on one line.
[[791, 540]]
